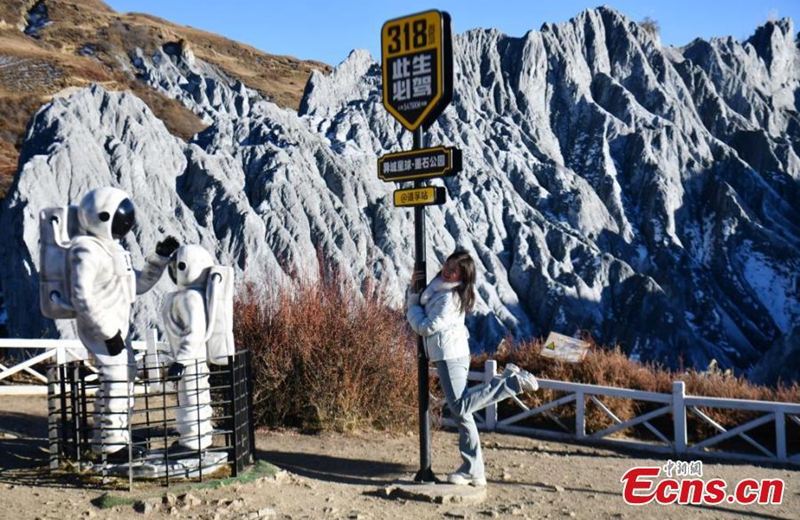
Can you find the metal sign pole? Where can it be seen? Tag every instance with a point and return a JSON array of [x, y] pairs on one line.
[[417, 73], [425, 473]]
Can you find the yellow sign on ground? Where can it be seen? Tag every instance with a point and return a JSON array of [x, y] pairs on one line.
[[413, 66], [565, 348]]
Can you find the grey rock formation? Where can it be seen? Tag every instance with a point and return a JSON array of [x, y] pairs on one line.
[[647, 195], [98, 138]]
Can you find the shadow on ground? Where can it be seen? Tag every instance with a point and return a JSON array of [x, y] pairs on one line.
[[25, 457], [336, 469], [23, 441], [567, 450]]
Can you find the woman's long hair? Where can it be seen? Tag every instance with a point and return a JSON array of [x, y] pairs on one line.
[[466, 290]]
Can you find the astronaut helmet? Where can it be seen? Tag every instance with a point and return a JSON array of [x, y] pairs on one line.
[[107, 213], [189, 266]]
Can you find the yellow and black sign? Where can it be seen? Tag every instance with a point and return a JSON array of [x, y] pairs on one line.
[[565, 348], [424, 163], [427, 196], [417, 60]]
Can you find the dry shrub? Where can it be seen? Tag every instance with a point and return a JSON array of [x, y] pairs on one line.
[[327, 357]]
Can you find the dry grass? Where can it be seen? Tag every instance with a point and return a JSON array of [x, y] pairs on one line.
[[612, 368], [16, 111], [326, 357], [76, 24], [11, 11], [281, 78], [179, 120], [609, 367]]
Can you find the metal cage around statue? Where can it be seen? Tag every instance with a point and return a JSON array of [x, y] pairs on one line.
[[75, 431]]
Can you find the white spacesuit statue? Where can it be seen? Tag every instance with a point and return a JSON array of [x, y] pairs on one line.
[[103, 286], [187, 321]]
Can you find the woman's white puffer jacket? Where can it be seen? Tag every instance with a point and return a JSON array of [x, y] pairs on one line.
[[436, 316]]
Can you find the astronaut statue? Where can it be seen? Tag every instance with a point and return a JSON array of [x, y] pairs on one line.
[[100, 287], [197, 320]]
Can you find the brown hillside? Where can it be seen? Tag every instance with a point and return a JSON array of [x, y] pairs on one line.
[[87, 42]]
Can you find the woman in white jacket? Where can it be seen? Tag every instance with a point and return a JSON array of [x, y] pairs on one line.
[[437, 314]]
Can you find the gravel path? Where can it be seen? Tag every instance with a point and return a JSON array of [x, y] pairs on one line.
[[340, 476]]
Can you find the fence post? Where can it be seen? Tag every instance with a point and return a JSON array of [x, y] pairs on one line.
[[780, 435], [61, 354], [580, 420], [489, 372], [679, 415]]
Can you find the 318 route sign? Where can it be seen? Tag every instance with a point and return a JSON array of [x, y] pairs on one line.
[[417, 60], [425, 163]]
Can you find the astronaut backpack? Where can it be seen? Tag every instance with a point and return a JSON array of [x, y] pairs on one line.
[[57, 226], [219, 312]]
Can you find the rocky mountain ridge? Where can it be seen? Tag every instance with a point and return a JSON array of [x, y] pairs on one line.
[[647, 195], [47, 46]]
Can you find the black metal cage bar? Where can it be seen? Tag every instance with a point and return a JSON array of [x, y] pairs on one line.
[[76, 433]]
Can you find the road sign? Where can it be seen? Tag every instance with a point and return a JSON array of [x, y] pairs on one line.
[[424, 163], [417, 61], [427, 196]]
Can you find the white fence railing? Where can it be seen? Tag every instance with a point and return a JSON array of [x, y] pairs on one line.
[[674, 408], [55, 351], [676, 405]]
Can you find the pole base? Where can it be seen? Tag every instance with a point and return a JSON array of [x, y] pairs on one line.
[[426, 475]]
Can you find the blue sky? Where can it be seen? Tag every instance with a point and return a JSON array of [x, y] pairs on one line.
[[328, 30]]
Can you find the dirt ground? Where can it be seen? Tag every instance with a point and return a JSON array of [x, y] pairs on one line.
[[340, 477]]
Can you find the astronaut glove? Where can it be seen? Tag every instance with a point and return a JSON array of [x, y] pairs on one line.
[[115, 345], [167, 246], [175, 371]]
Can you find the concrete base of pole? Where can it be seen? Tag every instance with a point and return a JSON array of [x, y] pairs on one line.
[[434, 493]]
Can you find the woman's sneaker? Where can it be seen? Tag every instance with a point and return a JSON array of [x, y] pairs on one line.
[[526, 380], [462, 479]]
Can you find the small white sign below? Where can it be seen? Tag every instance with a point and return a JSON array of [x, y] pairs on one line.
[[564, 348]]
